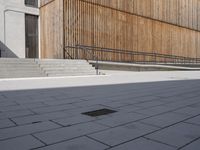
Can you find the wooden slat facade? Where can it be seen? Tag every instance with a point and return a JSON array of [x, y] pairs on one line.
[[51, 31], [137, 25], [184, 13]]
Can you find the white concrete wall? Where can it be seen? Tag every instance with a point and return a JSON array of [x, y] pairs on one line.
[[12, 26]]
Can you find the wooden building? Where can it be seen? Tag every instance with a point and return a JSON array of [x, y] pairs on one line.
[[156, 26]]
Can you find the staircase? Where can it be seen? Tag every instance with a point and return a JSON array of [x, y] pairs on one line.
[[24, 68], [65, 67]]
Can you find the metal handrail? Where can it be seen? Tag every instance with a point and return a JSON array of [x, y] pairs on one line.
[[136, 52], [74, 52], [66, 51], [86, 52]]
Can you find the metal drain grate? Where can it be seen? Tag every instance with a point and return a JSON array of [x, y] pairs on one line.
[[99, 112]]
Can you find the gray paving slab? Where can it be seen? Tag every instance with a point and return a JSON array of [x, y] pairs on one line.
[[7, 103], [183, 103], [177, 135], [166, 119], [142, 144], [189, 110], [20, 143], [74, 120], [154, 110], [82, 143], [150, 104], [143, 98], [119, 135], [116, 104], [33, 105], [40, 117], [120, 119], [48, 109], [35, 100], [90, 103], [17, 113], [195, 120], [192, 146], [11, 108], [130, 108], [63, 101], [21, 107], [66, 133], [196, 105], [26, 129], [5, 123]]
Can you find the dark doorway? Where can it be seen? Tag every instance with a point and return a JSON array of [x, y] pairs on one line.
[[31, 31]]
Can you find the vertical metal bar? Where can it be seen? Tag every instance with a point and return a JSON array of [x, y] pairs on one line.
[[97, 66]]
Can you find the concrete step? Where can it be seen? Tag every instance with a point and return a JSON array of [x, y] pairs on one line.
[[68, 68], [21, 76], [70, 74], [16, 68], [20, 72], [18, 65], [17, 59], [20, 68], [63, 64], [60, 60]]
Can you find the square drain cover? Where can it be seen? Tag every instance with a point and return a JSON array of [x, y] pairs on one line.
[[99, 112]]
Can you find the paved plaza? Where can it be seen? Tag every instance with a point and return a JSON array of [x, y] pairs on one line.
[[155, 111]]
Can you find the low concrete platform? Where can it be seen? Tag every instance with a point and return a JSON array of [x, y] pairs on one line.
[[107, 65], [154, 111]]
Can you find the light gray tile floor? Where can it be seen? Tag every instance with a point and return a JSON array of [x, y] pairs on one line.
[[162, 115]]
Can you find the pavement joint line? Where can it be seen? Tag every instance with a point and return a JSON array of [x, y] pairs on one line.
[[38, 140], [13, 121], [97, 141], [145, 107], [54, 111], [56, 122], [18, 116], [192, 123], [34, 113], [75, 123], [23, 116], [189, 143], [150, 124], [159, 142], [59, 142]]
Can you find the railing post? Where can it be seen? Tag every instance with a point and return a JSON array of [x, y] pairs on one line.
[[155, 58], [97, 66], [84, 53]]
